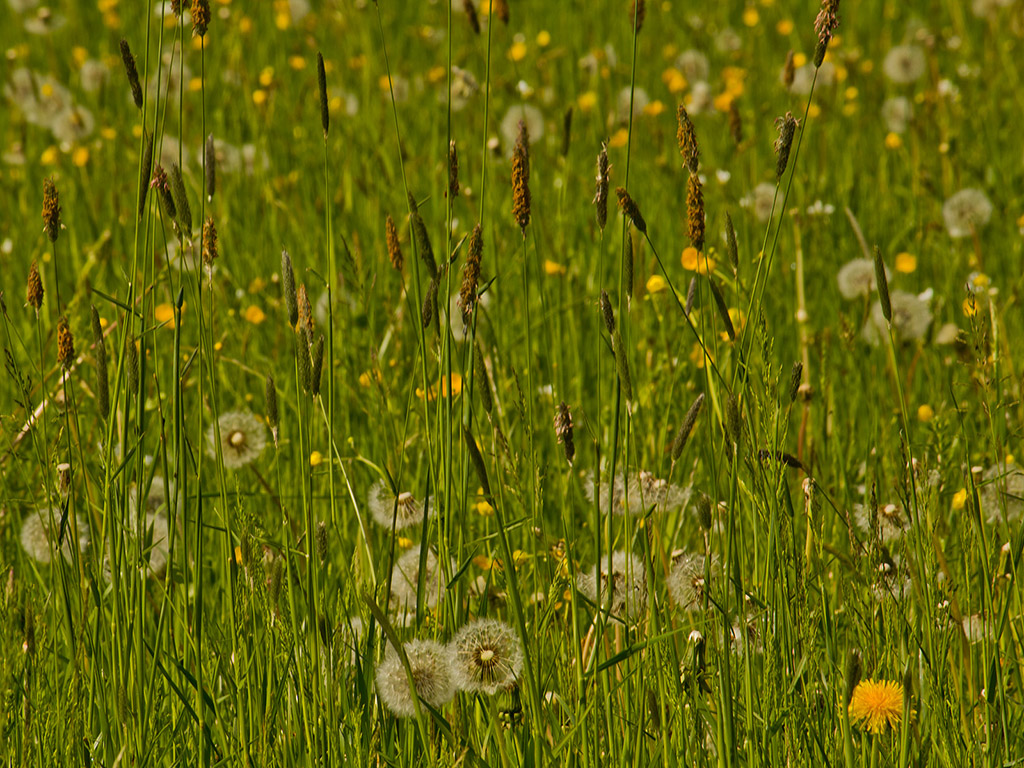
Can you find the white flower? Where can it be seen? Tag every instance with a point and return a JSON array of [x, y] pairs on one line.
[[402, 510], [486, 656], [897, 113], [905, 64], [430, 667], [530, 115], [760, 200], [694, 65], [687, 580], [699, 98], [39, 531], [856, 278], [966, 212], [640, 100], [911, 318], [406, 578], [73, 125], [642, 492], [243, 436], [625, 587]]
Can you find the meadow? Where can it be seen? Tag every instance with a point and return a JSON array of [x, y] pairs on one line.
[[509, 382]]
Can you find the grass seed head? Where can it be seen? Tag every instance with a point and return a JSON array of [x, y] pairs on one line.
[[789, 69], [786, 126], [270, 399], [419, 231], [691, 295], [132, 72], [689, 421], [825, 25], [209, 242], [796, 375], [606, 312], [163, 188], [288, 288], [180, 197], [854, 668], [132, 355], [51, 210], [200, 17], [394, 247], [321, 541], [734, 420], [305, 314], [735, 123], [631, 209], [65, 343], [471, 274], [704, 511], [637, 13], [730, 244], [144, 173], [305, 363], [474, 20], [521, 178], [687, 137], [321, 85], [453, 171], [601, 195], [34, 292], [563, 431], [500, 9], [429, 304], [695, 223]]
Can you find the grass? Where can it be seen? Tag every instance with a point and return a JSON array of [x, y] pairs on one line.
[[847, 507]]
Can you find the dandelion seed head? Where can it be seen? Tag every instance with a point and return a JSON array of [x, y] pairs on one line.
[[904, 64], [486, 656], [626, 582], [243, 436], [966, 212], [383, 503], [39, 531], [430, 665]]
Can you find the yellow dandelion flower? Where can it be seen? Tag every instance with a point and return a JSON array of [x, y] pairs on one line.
[[316, 459], [851, 93], [403, 542], [906, 263], [876, 704], [543, 38], [723, 101], [695, 261], [893, 140], [674, 80], [259, 97], [255, 315], [654, 109], [108, 133], [960, 499], [619, 138], [195, 84], [751, 17], [483, 562], [587, 101], [80, 156], [656, 284], [266, 76], [925, 413], [814, 110], [517, 52], [164, 313], [553, 268], [49, 156]]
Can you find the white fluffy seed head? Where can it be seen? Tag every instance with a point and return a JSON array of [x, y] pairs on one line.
[[430, 665], [486, 656]]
